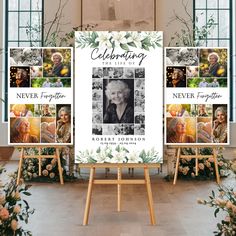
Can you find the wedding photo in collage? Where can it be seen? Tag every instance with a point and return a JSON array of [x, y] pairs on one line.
[[196, 68], [40, 68], [118, 101], [196, 123], [40, 123]]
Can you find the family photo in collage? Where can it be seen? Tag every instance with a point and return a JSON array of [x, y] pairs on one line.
[[40, 68], [40, 123], [118, 101], [204, 68]]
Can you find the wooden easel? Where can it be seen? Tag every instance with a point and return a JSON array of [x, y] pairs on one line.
[[119, 181], [196, 156], [39, 156]]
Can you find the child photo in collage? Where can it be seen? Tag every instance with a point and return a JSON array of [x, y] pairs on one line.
[[40, 68], [196, 123], [118, 100]]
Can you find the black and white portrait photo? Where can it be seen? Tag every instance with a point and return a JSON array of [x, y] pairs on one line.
[[25, 57], [97, 129], [139, 101], [139, 118], [97, 72], [118, 129], [139, 84], [97, 84], [140, 72], [128, 73], [97, 118], [97, 95], [97, 107], [118, 102], [139, 129], [182, 57]]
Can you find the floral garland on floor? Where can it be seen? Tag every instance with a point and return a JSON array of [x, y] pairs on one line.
[[49, 166], [206, 167], [13, 208]]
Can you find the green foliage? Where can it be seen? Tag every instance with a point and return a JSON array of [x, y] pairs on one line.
[[13, 207], [225, 202], [190, 34], [206, 167]]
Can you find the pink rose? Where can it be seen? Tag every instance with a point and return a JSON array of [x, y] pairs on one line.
[[14, 225], [4, 213], [16, 209]]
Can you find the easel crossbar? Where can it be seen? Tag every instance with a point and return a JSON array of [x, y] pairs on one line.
[[124, 181]]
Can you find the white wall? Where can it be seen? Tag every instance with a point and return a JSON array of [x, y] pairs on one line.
[[3, 126], [165, 11], [71, 14]]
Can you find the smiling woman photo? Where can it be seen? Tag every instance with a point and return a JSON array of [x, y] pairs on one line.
[[120, 108]]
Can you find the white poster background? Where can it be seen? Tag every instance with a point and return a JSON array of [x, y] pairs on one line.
[[206, 95], [153, 138], [30, 95]]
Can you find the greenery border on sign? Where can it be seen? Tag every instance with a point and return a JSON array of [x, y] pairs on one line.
[[118, 155], [122, 39]]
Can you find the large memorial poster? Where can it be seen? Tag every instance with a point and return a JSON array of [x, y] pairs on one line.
[[196, 96], [118, 93], [40, 89]]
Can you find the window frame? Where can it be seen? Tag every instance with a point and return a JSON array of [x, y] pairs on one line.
[[230, 46], [6, 43]]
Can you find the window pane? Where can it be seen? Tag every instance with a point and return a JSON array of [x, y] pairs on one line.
[[13, 44], [212, 14], [24, 44], [212, 4], [200, 3], [200, 19], [224, 23], [24, 4], [23, 34], [36, 5], [213, 33], [224, 43], [223, 3], [212, 43], [36, 19], [13, 5], [24, 19], [13, 26]]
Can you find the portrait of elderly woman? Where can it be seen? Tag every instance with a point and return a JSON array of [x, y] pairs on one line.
[[176, 77], [21, 130], [177, 131], [213, 63], [118, 107], [20, 77], [63, 128], [219, 130], [57, 63]]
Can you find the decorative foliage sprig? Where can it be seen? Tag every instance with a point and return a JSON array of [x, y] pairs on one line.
[[13, 208], [119, 39], [118, 155]]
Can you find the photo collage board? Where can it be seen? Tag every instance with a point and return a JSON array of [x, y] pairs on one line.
[[196, 96], [41, 103], [118, 76]]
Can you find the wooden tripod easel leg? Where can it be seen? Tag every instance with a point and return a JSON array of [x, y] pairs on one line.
[[40, 162], [89, 194], [59, 165], [216, 166], [177, 166], [150, 199], [20, 165], [196, 162], [119, 190]]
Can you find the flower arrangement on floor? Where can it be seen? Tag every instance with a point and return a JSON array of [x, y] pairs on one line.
[[206, 166], [226, 202], [118, 155], [13, 208], [49, 165]]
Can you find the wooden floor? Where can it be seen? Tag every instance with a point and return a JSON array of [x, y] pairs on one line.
[[59, 209]]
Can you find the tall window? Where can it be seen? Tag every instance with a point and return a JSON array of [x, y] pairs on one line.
[[221, 35], [23, 28]]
